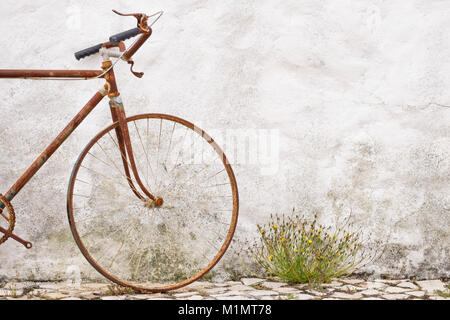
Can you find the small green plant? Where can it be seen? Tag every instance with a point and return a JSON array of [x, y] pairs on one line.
[[208, 276], [13, 287], [443, 294], [299, 251], [290, 296]]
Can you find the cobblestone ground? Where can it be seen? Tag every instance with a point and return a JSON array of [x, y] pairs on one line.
[[246, 289]]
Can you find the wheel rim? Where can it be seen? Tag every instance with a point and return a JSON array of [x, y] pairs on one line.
[[144, 247]]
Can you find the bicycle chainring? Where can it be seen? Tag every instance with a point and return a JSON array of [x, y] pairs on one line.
[[7, 215]]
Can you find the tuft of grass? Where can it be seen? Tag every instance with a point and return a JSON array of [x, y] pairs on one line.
[[443, 294], [298, 251], [290, 296], [13, 290], [208, 276], [116, 290], [259, 286], [13, 287]]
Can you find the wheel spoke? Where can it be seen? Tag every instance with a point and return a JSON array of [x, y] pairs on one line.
[[132, 228], [108, 178], [146, 156], [167, 154]]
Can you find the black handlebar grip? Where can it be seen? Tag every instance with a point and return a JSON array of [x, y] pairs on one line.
[[87, 52], [124, 35]]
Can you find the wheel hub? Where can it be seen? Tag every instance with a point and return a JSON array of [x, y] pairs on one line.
[[158, 202]]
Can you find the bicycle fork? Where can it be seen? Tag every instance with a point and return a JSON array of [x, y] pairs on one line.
[[126, 150]]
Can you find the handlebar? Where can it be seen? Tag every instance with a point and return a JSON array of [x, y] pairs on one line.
[[124, 35], [115, 40], [87, 52]]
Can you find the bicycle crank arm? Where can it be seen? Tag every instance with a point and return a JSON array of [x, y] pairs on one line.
[[26, 244]]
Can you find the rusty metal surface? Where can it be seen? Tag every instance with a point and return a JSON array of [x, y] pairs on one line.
[[9, 217], [131, 51], [142, 19], [126, 140], [123, 152], [120, 45], [110, 79], [118, 114], [30, 74], [11, 235]]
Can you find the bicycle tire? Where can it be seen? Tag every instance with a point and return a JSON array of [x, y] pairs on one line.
[[149, 285]]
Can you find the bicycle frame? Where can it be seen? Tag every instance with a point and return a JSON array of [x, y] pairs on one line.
[[134, 263], [117, 115]]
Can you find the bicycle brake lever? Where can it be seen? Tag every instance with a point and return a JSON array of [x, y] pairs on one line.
[[142, 19], [136, 74]]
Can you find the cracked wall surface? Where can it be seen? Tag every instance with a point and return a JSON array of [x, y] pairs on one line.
[[355, 93]]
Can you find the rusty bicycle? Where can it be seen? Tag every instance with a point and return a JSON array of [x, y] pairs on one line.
[[152, 200]]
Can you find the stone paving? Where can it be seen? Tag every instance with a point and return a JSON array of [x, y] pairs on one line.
[[246, 289]]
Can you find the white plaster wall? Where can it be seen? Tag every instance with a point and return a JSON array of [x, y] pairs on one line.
[[356, 91]]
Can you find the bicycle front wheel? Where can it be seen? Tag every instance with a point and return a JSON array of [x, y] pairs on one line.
[[128, 239]]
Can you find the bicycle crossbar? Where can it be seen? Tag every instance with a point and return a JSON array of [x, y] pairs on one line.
[[25, 74]]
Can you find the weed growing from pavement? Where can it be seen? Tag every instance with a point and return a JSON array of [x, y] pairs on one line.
[[300, 251]]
